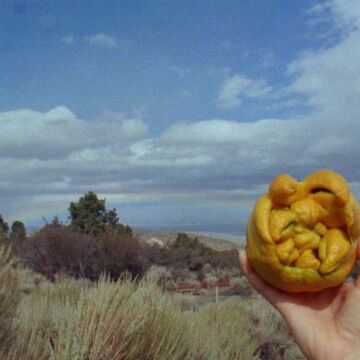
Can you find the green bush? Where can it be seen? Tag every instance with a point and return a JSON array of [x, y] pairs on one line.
[[90, 216], [18, 231]]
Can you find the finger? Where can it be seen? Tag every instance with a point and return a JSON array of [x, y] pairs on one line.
[[357, 280], [274, 296]]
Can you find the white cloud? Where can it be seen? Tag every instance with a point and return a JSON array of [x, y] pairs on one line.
[[231, 90], [217, 160], [237, 86], [329, 77], [344, 14], [264, 136], [56, 155], [58, 132], [209, 131], [258, 88], [251, 153], [102, 40]]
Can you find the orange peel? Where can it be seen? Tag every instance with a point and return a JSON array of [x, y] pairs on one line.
[[302, 235]]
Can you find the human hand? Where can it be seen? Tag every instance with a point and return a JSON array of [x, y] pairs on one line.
[[326, 324]]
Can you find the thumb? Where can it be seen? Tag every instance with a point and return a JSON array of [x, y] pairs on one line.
[[273, 295]]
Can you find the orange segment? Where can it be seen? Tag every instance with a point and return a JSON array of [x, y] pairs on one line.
[[286, 252], [308, 211], [333, 248], [308, 260], [281, 224]]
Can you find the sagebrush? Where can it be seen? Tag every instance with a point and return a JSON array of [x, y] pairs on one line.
[[72, 319]]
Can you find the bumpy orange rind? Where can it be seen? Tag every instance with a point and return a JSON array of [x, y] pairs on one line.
[[302, 235]]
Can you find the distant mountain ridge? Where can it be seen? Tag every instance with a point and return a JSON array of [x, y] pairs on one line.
[[216, 241]]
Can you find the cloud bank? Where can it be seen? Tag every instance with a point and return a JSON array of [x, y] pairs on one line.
[[56, 156]]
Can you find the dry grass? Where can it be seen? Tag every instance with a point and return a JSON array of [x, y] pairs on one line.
[[110, 320], [9, 299], [79, 320], [223, 331]]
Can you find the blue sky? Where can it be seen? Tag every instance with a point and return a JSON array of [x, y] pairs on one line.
[[179, 113], [167, 58]]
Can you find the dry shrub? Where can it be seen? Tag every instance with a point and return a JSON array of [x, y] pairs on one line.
[[47, 313], [189, 303], [77, 319], [131, 323], [157, 255], [9, 298], [293, 352], [277, 343], [57, 248], [223, 331], [110, 320], [191, 253], [120, 251], [226, 259]]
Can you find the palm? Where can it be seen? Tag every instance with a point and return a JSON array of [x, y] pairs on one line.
[[326, 325]]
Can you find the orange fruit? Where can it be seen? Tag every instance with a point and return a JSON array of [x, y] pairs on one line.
[[302, 235]]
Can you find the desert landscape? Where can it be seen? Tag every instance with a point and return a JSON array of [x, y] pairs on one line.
[[128, 294], [137, 142]]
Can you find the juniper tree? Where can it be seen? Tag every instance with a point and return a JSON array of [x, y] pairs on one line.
[[18, 231], [90, 216]]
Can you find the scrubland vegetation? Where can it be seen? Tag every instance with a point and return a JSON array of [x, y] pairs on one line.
[[95, 292]]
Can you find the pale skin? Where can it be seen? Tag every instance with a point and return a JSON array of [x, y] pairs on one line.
[[326, 325]]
